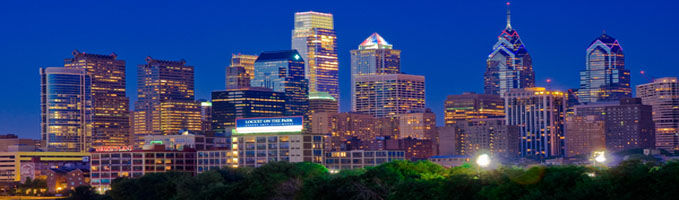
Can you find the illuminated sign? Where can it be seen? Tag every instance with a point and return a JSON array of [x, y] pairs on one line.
[[113, 148], [269, 125]]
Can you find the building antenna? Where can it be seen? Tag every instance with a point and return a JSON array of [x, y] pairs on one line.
[[509, 18]]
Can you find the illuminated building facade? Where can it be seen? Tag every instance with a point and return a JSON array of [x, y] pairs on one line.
[[509, 65], [229, 105], [352, 131], [629, 126], [356, 159], [205, 116], [417, 124], [605, 78], [241, 71], [216, 159], [17, 166], [539, 114], [165, 99], [262, 140], [663, 95], [283, 71], [322, 102], [315, 40], [585, 134], [489, 135], [469, 106], [414, 149], [188, 140], [111, 164], [387, 95], [110, 105], [373, 56], [66, 109]]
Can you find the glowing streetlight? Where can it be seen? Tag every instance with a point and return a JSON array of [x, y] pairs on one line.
[[483, 160], [600, 158]]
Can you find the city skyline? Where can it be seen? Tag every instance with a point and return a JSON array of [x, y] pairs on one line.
[[438, 85]]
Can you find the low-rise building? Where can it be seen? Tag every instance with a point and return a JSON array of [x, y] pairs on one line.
[[111, 164], [65, 179], [262, 140], [338, 160], [216, 159], [450, 161]]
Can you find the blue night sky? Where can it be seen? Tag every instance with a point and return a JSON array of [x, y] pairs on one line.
[[446, 41]]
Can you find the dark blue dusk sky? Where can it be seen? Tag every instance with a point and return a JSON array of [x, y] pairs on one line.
[[447, 41]]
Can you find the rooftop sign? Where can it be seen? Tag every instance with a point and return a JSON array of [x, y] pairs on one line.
[[269, 125]]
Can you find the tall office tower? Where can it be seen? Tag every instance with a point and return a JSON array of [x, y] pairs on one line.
[[205, 116], [165, 99], [373, 56], [387, 95], [540, 115], [509, 65], [283, 71], [489, 135], [66, 109], [322, 102], [605, 77], [315, 40], [663, 95], [241, 71], [585, 134], [629, 126], [419, 124], [110, 105], [229, 105], [470, 105]]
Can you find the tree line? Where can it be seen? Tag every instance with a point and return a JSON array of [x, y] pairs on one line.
[[403, 180]]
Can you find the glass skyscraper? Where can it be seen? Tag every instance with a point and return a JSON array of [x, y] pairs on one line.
[[231, 104], [110, 105], [283, 71], [373, 56], [468, 106], [605, 78], [66, 109], [165, 99], [315, 40], [509, 65]]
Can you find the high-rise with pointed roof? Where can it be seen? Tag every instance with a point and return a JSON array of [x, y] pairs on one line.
[[605, 78], [373, 56], [315, 40], [509, 65]]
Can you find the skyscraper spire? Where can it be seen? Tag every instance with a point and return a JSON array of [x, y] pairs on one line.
[[509, 18]]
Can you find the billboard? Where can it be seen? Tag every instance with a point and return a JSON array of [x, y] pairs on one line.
[[269, 125]]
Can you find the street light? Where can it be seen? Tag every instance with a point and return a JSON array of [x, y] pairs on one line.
[[600, 158], [483, 160]]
